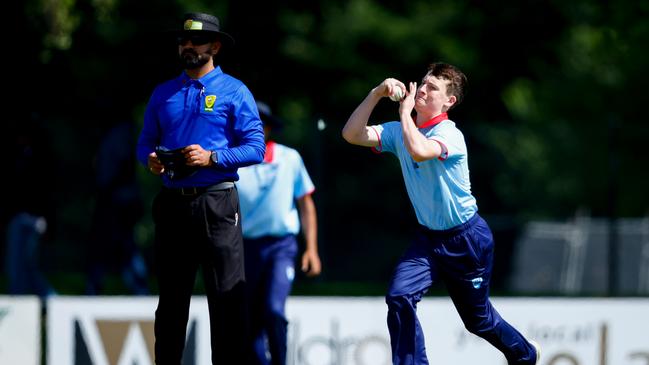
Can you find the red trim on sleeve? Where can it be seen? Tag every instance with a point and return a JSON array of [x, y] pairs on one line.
[[435, 121], [444, 154], [270, 152], [307, 193], [379, 148]]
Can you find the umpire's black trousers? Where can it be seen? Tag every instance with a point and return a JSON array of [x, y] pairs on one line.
[[191, 231]]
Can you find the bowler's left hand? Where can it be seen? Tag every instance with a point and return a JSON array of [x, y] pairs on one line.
[[408, 102]]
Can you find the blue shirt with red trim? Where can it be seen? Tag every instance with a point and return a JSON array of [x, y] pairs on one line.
[[268, 193], [215, 111], [439, 189]]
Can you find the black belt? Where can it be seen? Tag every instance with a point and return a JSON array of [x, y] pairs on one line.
[[193, 191]]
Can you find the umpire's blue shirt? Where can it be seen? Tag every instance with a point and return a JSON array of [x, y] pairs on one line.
[[217, 112]]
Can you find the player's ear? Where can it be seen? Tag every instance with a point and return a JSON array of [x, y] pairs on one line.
[[451, 101]]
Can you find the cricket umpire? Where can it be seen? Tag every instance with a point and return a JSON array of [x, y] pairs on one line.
[[199, 128]]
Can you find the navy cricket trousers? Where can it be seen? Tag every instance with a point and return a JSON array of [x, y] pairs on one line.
[[462, 257], [270, 269]]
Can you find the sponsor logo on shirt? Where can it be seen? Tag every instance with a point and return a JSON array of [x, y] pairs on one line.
[[209, 103]]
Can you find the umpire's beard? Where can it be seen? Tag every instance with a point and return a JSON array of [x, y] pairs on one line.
[[191, 60]]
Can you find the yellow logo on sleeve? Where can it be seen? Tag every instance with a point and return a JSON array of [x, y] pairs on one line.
[[209, 103]]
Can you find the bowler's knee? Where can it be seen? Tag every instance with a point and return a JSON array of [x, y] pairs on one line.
[[397, 302], [480, 327]]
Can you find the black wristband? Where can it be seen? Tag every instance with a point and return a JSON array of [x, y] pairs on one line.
[[214, 158]]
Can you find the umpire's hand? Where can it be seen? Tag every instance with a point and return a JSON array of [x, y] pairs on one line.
[[155, 165], [195, 155]]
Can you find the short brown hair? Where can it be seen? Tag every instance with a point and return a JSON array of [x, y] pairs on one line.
[[457, 79]]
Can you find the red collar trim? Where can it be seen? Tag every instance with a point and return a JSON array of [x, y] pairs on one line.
[[435, 121], [270, 152]]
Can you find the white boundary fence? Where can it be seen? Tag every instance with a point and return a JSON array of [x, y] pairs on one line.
[[353, 331], [327, 331], [20, 330]]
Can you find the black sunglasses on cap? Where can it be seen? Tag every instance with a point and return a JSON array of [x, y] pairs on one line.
[[196, 39]]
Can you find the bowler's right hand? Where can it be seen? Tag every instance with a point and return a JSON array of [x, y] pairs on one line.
[[388, 87], [155, 165]]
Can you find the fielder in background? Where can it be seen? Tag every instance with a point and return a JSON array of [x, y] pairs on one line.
[[199, 128], [271, 220], [454, 244]]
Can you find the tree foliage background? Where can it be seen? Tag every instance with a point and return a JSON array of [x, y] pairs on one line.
[[555, 117]]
